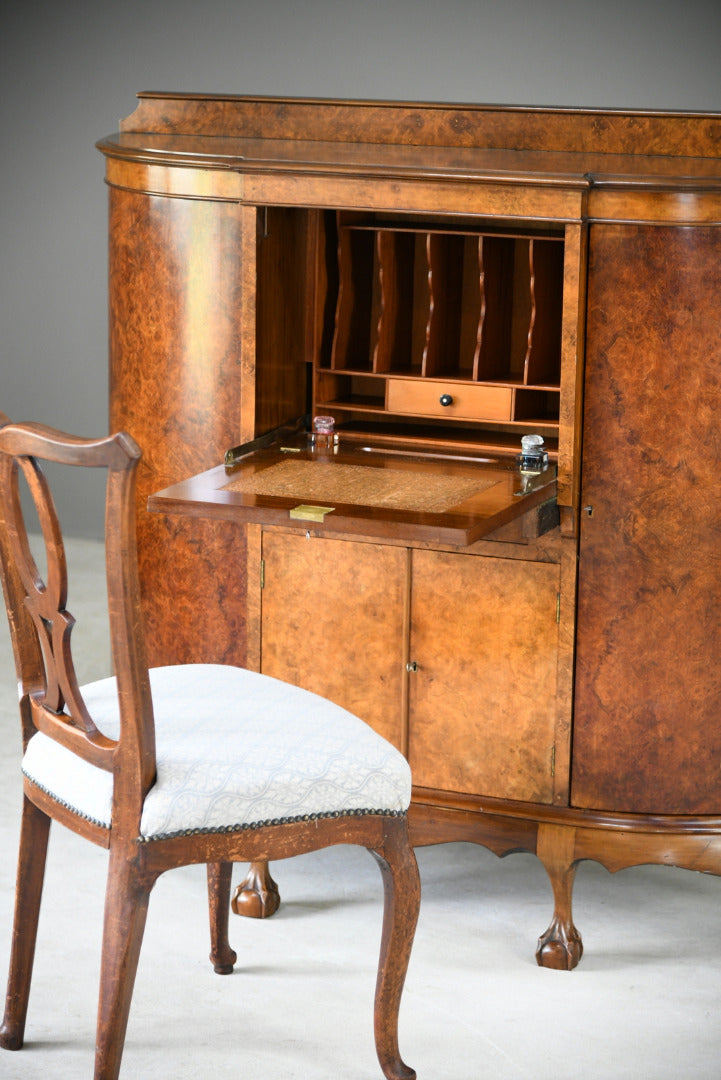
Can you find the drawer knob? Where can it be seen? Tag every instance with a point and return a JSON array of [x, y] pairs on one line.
[[446, 399]]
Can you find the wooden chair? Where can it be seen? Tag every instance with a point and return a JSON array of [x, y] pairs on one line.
[[188, 764]]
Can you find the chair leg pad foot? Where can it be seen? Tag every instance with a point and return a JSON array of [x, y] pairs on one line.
[[223, 969], [10, 1040], [399, 1072]]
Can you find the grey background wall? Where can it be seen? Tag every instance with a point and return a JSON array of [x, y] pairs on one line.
[[70, 70]]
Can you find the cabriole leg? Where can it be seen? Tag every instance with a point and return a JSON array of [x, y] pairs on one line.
[[222, 957], [402, 894], [561, 946]]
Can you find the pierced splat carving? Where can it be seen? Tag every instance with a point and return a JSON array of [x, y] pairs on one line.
[[55, 699]]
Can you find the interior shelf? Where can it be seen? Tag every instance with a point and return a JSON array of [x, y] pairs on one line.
[[421, 307]]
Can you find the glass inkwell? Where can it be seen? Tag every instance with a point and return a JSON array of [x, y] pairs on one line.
[[324, 437], [533, 458]]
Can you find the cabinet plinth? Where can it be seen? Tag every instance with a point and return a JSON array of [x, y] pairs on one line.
[[441, 280]]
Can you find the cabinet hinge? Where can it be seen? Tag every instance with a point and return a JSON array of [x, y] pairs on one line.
[[553, 760], [262, 573], [558, 607]]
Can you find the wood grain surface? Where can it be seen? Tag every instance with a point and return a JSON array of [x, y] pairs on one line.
[[482, 703], [647, 728]]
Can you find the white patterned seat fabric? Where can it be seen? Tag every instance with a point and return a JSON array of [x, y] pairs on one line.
[[234, 749]]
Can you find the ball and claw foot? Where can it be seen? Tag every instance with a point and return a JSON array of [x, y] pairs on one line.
[[257, 896], [560, 947]]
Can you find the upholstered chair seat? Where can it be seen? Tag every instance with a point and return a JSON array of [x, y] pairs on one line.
[[283, 755]]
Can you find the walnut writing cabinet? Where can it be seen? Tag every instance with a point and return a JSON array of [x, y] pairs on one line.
[[441, 280]]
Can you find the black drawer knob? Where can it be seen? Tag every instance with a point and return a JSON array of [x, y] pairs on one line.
[[446, 399]]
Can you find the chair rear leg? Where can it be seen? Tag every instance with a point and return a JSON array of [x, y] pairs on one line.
[[222, 957], [34, 833], [402, 894], [126, 909]]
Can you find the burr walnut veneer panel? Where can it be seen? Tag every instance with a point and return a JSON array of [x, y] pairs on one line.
[[484, 636], [647, 731], [333, 622], [175, 291]]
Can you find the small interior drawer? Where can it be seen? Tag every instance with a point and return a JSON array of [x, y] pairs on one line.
[[466, 402]]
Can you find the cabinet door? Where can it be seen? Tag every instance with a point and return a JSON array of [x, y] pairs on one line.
[[647, 727], [177, 271], [482, 702], [333, 614]]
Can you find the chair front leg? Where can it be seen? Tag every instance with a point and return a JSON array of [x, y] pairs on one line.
[[222, 957], [402, 894], [34, 833], [126, 909]]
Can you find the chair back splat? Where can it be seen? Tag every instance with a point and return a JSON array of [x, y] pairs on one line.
[[51, 700], [198, 763]]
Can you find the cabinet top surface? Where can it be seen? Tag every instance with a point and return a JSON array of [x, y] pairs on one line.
[[576, 147]]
